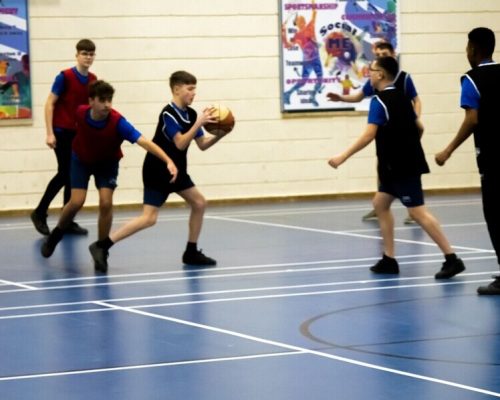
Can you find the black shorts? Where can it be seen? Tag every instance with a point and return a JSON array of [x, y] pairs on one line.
[[156, 195], [407, 190]]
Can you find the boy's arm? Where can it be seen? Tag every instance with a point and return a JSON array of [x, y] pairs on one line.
[[153, 148], [204, 142], [50, 138], [350, 98], [360, 143], [417, 106], [466, 129], [182, 141]]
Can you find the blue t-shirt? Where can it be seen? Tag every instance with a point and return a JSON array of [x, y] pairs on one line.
[[470, 96], [410, 89], [377, 113], [58, 85], [123, 128], [172, 127]]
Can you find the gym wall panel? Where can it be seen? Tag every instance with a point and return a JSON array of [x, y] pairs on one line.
[[233, 49]]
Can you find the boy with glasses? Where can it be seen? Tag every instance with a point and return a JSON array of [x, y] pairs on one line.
[[69, 90]]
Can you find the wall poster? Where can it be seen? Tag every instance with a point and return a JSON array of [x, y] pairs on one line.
[[15, 79], [327, 46]]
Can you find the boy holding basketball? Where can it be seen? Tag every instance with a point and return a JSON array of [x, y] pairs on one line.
[[178, 126], [393, 124], [100, 130]]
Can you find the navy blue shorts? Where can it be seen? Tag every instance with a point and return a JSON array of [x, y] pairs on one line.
[[156, 197], [105, 174], [408, 190]]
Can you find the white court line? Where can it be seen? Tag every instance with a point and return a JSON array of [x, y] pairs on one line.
[[256, 213], [301, 349], [146, 366], [223, 276], [242, 267], [21, 285], [340, 233], [229, 299], [231, 291]]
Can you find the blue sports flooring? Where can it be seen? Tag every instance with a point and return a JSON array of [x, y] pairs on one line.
[[290, 312]]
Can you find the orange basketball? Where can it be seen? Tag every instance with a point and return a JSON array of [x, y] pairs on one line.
[[224, 118]]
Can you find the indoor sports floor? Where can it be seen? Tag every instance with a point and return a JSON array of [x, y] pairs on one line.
[[290, 312]]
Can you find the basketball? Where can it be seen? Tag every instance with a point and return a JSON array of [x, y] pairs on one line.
[[224, 118]]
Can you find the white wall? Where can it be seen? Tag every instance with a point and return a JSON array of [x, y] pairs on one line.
[[232, 47]]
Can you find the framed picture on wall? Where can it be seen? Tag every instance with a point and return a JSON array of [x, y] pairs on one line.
[[326, 46], [15, 78]]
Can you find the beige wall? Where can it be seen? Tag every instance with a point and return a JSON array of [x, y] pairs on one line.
[[232, 47]]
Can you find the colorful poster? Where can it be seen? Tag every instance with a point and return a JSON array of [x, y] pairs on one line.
[[15, 82], [327, 47]]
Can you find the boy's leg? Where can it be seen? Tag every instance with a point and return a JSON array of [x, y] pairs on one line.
[[452, 265], [105, 218], [198, 204], [147, 219], [382, 205], [431, 226], [100, 249], [68, 213]]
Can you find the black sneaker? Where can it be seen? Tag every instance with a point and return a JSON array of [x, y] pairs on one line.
[[48, 247], [197, 258], [386, 265], [450, 269], [100, 257], [40, 223], [75, 229], [492, 288]]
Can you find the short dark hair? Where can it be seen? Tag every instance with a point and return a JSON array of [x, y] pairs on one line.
[[85, 45], [101, 89], [483, 40], [382, 45], [182, 78], [389, 65]]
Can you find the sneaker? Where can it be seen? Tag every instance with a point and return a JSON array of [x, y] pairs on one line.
[[492, 288], [409, 221], [48, 247], [100, 257], [40, 223], [386, 265], [197, 258], [75, 229], [450, 269], [371, 216]]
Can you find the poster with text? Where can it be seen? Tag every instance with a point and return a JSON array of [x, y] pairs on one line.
[[15, 82], [327, 47]]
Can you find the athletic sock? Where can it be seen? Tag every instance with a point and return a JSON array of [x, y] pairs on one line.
[[191, 247], [450, 257], [56, 235], [105, 243]]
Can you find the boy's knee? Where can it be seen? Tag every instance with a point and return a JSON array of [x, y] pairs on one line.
[[199, 204]]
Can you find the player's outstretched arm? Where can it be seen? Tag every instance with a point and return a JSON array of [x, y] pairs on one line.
[[360, 143], [153, 148], [466, 129], [350, 98]]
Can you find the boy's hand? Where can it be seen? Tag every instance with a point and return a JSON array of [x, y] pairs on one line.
[[173, 171], [51, 141], [206, 116], [336, 161], [333, 96], [441, 157]]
